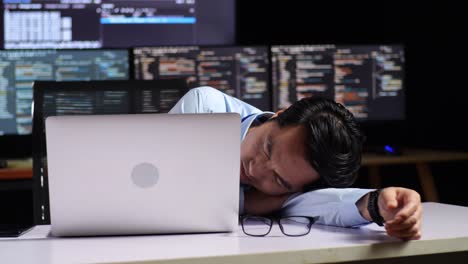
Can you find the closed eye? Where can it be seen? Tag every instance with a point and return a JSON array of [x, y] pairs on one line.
[[267, 149], [279, 182]]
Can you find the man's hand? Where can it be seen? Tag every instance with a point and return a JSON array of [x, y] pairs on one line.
[[258, 203], [400, 208], [402, 211]]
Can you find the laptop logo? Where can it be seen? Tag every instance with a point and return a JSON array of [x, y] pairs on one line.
[[145, 175]]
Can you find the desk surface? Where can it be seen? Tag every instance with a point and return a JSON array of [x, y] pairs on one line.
[[445, 229]]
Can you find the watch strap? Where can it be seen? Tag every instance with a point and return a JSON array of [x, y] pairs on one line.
[[373, 208]]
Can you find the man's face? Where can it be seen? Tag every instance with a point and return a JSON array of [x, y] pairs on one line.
[[273, 160]]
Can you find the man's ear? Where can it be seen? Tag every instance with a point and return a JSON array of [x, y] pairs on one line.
[[279, 112]]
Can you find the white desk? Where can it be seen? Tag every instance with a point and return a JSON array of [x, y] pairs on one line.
[[445, 229]]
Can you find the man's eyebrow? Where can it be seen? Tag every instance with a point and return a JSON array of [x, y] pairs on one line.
[[270, 151]]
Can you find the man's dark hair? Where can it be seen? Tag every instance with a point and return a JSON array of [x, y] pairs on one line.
[[333, 139]]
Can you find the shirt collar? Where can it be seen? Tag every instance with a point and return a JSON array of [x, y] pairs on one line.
[[251, 119]]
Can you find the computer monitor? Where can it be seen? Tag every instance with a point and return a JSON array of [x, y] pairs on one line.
[[240, 71], [20, 68], [367, 79], [57, 24], [90, 98]]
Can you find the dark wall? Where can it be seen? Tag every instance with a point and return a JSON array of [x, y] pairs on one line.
[[436, 57]]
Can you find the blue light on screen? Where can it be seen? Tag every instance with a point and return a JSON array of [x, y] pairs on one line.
[[148, 20], [389, 149]]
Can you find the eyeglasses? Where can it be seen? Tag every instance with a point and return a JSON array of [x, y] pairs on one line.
[[259, 226]]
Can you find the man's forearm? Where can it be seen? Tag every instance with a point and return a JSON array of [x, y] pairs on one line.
[[362, 207], [337, 207]]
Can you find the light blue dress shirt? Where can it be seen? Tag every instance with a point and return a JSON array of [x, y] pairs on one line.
[[332, 206]]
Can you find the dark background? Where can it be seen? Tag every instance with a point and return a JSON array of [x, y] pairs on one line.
[[436, 87], [434, 36]]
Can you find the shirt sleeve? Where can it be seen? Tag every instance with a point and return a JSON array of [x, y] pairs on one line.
[[333, 206], [210, 100]]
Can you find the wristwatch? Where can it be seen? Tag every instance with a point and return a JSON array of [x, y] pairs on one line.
[[373, 207]]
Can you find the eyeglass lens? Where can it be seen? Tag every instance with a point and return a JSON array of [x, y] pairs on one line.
[[256, 226], [291, 226]]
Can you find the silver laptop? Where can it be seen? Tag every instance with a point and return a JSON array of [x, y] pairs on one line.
[[143, 174]]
